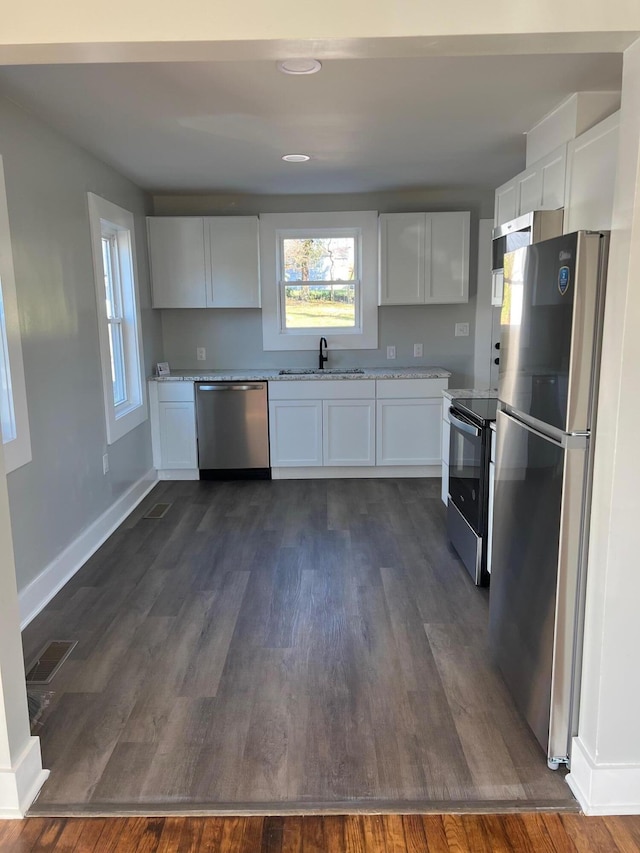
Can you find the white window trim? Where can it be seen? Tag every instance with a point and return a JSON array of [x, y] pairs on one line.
[[274, 226], [121, 419], [17, 452]]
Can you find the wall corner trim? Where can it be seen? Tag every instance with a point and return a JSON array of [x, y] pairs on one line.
[[20, 784], [37, 594], [603, 789]]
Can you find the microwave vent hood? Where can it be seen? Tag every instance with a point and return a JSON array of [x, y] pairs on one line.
[[526, 229]]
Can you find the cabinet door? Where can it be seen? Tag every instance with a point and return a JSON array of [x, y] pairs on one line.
[[553, 169], [492, 487], [444, 486], [408, 432], [529, 190], [592, 161], [447, 278], [349, 432], [177, 428], [402, 258], [497, 288], [295, 433], [178, 266], [234, 279], [506, 201]]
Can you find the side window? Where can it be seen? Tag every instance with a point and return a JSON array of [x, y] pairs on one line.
[[14, 418], [119, 327]]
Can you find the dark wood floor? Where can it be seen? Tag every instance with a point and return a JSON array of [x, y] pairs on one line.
[[524, 833], [279, 645]]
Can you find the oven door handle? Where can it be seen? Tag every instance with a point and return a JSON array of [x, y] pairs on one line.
[[462, 424]]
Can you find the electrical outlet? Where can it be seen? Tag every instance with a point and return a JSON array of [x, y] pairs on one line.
[[105, 463], [417, 350], [201, 354], [462, 330], [391, 352]]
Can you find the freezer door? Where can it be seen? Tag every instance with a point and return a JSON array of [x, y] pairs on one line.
[[550, 329], [535, 575]]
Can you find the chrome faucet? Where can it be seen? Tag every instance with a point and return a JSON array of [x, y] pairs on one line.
[[322, 357]]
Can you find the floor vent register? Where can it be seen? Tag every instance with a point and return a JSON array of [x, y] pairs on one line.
[[157, 511], [49, 661]]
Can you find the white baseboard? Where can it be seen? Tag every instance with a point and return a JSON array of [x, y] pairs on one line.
[[355, 472], [603, 789], [19, 785], [178, 474], [51, 579]]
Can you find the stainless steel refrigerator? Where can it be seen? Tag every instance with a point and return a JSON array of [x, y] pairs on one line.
[[551, 322]]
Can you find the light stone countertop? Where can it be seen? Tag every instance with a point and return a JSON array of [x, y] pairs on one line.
[[273, 375], [473, 393]]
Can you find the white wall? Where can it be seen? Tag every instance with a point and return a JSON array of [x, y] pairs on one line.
[[605, 769], [63, 490], [233, 338]]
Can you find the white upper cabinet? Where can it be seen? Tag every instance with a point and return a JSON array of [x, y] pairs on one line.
[[540, 187], [402, 258], [424, 258], [177, 256], [591, 172], [207, 262], [234, 281]]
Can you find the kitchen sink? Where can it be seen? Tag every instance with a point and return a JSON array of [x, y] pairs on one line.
[[304, 371]]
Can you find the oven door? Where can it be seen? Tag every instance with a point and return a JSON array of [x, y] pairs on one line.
[[465, 467]]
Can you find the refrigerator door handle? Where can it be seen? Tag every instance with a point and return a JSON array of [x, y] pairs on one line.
[[568, 441], [463, 425]]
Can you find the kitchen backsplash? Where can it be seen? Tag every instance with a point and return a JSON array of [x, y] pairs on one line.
[[232, 338]]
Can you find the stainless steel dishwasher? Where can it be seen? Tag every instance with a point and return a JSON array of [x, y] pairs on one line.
[[233, 430]]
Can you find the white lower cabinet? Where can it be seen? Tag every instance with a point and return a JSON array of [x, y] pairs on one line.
[[173, 428], [295, 433], [178, 446], [408, 432], [349, 431], [492, 482], [446, 432]]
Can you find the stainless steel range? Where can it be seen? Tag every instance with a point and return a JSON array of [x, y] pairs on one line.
[[468, 501]]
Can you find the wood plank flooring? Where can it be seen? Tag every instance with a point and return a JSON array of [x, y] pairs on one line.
[[282, 645], [525, 833]]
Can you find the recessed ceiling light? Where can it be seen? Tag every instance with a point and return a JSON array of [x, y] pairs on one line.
[[299, 66], [296, 158]]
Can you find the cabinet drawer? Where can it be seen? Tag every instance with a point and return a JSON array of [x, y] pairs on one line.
[[408, 388], [175, 392], [323, 389]]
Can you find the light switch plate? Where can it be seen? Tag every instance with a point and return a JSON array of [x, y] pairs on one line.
[[105, 463], [391, 352], [462, 330], [201, 354], [417, 350]]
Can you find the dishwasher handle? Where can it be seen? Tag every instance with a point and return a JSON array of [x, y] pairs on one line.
[[230, 387]]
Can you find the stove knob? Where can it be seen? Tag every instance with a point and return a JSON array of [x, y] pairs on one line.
[[496, 361], [497, 346]]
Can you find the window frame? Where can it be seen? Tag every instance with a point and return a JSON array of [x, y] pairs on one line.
[[274, 229], [17, 450], [109, 220]]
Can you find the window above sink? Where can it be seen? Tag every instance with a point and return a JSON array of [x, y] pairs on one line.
[[319, 277]]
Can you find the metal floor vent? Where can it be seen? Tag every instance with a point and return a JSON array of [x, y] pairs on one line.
[[157, 511], [50, 660]]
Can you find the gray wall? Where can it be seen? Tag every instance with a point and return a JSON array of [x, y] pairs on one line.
[[233, 338], [63, 490]]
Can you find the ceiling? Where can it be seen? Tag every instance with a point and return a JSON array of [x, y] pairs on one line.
[[369, 124]]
